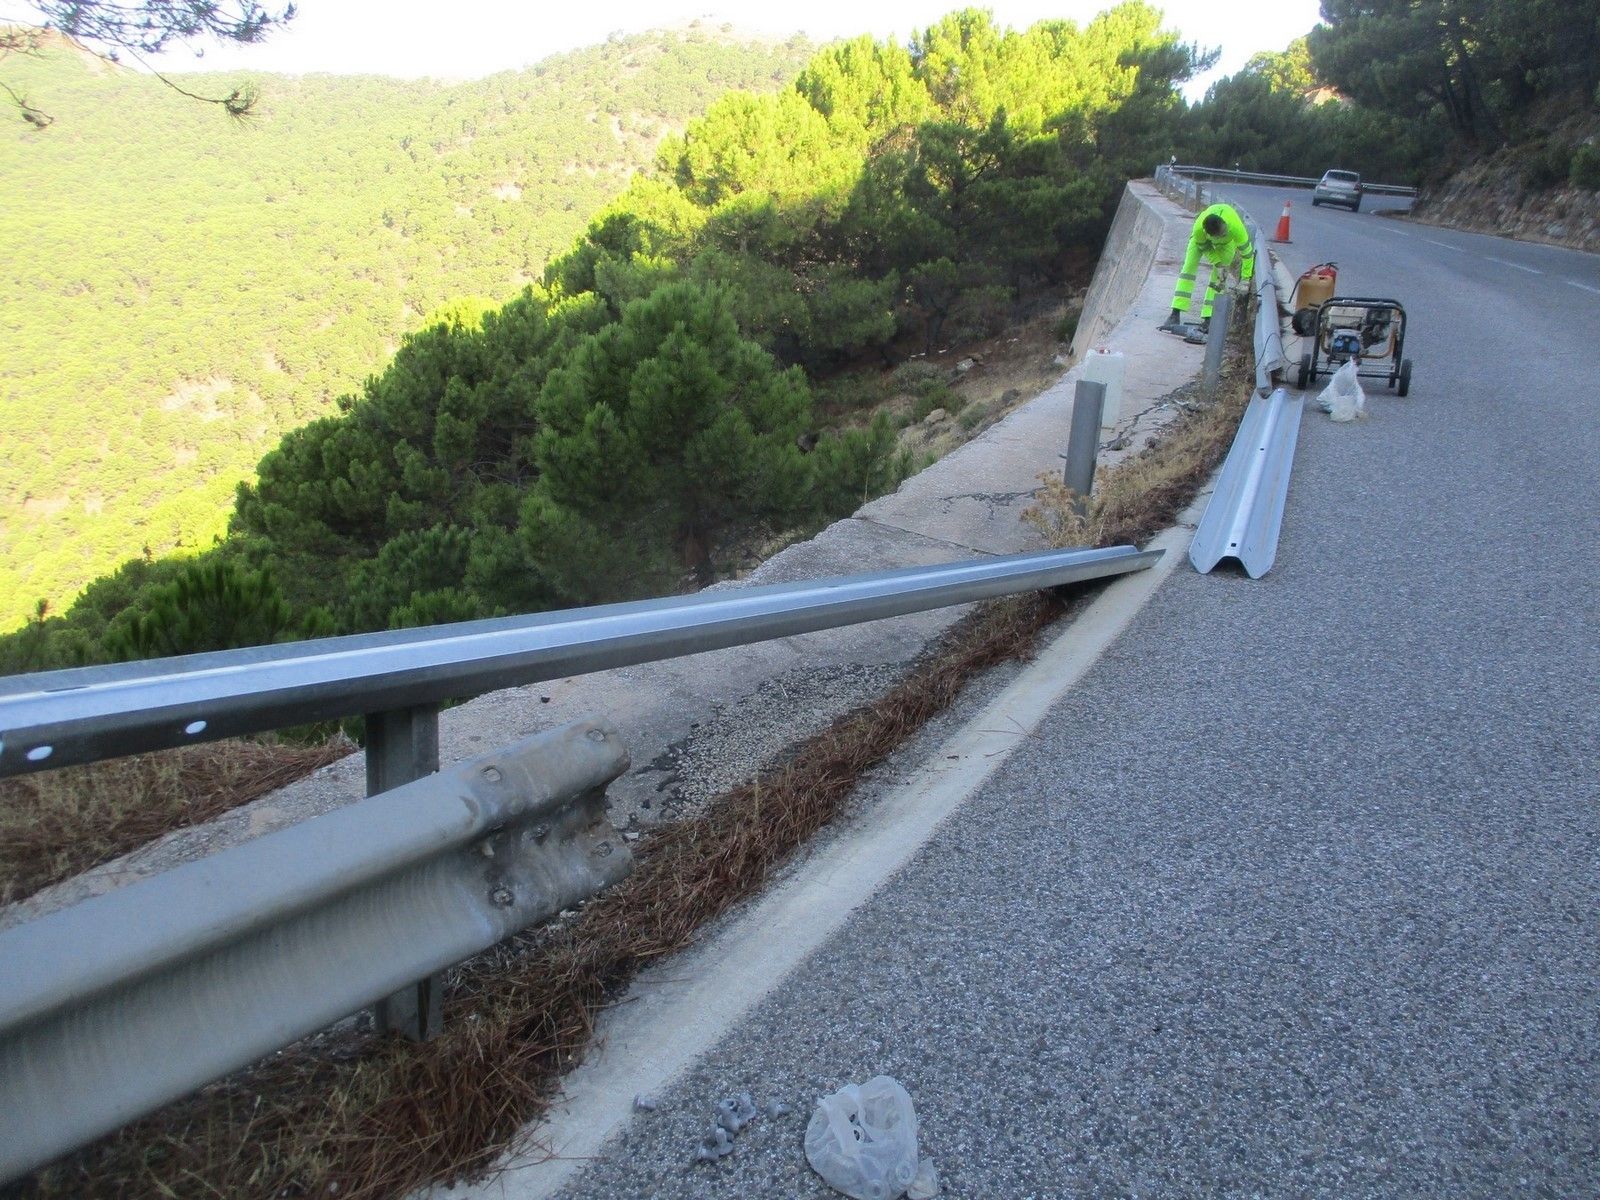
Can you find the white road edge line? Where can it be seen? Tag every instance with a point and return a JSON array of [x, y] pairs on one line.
[[1584, 286], [681, 1010], [1446, 245], [1518, 266], [1396, 232]]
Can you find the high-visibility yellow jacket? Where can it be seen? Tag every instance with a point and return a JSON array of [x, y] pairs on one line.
[[1235, 239]]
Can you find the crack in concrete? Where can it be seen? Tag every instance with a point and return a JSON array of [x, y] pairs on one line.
[[882, 524], [990, 498]]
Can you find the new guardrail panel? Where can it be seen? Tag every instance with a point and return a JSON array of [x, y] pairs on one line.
[[1270, 356], [1245, 513], [123, 1002]]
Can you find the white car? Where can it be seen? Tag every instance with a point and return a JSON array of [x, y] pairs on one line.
[[1338, 187]]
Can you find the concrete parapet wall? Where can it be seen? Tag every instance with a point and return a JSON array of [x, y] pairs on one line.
[[1125, 262]]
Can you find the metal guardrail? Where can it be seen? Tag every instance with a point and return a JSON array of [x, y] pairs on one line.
[[1199, 172], [1180, 188], [124, 1001], [1245, 512], [1270, 356], [54, 718]]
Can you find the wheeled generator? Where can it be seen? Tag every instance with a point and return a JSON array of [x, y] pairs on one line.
[[1370, 330]]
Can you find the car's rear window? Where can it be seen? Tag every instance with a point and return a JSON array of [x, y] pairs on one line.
[[1342, 177]]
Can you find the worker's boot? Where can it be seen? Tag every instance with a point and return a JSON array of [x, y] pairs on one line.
[[1173, 323]]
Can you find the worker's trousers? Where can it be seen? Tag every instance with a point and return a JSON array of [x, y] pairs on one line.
[[1220, 261]]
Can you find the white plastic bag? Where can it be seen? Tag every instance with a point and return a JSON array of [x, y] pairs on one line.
[[863, 1140], [1343, 399], [926, 1185]]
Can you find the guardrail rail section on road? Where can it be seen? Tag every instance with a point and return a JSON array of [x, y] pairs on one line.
[[1245, 513], [124, 1001], [1270, 357]]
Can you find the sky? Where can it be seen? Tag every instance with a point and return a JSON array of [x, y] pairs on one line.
[[467, 39]]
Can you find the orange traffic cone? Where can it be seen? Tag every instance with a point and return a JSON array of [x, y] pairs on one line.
[[1283, 225]]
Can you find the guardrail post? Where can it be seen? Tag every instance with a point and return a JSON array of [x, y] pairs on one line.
[[1216, 339], [1083, 441], [402, 746]]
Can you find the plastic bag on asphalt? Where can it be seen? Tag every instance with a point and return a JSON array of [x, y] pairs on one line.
[[1343, 399], [862, 1140], [926, 1185]]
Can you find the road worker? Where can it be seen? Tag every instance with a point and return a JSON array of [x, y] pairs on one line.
[[1220, 237]]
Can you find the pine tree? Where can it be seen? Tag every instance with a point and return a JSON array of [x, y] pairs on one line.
[[213, 604], [667, 429]]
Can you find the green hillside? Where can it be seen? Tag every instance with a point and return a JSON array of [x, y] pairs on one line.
[[180, 289], [632, 420]]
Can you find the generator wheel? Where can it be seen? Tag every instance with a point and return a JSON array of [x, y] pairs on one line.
[[1304, 377], [1405, 377]]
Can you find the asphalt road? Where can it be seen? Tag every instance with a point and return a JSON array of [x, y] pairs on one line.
[[1297, 893]]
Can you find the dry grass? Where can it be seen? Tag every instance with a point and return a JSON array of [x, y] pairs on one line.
[[362, 1118], [56, 824], [1143, 494]]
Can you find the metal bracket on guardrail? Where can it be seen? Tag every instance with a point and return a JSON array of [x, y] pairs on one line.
[[125, 1001]]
